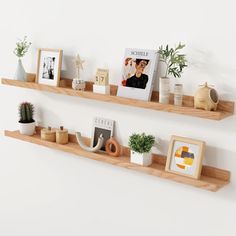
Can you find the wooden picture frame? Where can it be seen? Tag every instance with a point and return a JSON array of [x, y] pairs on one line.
[[185, 156], [49, 66]]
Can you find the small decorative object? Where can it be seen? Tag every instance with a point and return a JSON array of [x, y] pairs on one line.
[[79, 65], [49, 66], [96, 148], [178, 94], [206, 98], [139, 73], [101, 84], [26, 122], [175, 63], [22, 47], [62, 136], [112, 147], [140, 145], [48, 134], [104, 127], [78, 84], [185, 156]]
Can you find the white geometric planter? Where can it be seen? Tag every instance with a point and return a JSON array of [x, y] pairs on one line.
[[27, 128], [144, 159]]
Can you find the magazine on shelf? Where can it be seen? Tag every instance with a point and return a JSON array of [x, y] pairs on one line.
[[139, 74]]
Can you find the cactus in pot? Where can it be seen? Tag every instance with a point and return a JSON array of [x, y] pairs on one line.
[[26, 122]]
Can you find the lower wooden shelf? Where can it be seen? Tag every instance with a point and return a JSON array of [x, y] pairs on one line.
[[211, 179]]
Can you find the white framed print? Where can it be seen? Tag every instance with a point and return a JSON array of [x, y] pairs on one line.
[[139, 74], [49, 66], [185, 156]]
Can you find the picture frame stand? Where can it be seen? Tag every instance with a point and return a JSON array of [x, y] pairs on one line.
[[103, 89]]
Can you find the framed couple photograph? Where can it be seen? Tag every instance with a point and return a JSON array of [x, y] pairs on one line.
[[185, 156], [139, 74], [49, 66]]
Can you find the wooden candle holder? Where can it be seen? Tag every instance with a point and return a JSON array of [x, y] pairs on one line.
[[62, 136], [48, 134]]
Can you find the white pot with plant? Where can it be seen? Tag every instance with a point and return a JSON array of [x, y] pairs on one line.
[[174, 62], [26, 122], [141, 145], [22, 47]]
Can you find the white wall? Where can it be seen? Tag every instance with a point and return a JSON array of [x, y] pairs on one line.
[[47, 192]]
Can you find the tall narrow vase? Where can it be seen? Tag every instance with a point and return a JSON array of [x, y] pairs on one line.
[[20, 72], [164, 90]]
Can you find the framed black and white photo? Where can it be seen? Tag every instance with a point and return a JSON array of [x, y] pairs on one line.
[[49, 66]]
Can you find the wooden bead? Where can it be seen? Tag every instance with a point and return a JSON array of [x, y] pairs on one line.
[[48, 134], [62, 136], [112, 144]]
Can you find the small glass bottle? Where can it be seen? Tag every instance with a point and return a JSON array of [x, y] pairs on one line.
[[178, 94]]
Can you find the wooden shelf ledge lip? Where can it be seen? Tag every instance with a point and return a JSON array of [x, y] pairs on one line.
[[225, 108], [212, 179]]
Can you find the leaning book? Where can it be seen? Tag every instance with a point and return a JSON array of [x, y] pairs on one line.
[[139, 74]]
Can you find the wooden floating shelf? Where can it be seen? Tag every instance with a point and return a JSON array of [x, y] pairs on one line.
[[211, 178], [225, 108]]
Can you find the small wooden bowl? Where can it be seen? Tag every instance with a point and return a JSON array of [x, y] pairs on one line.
[[48, 134], [62, 136]]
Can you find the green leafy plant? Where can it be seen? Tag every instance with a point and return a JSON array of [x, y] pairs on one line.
[[174, 60], [141, 143], [22, 47], [26, 112]]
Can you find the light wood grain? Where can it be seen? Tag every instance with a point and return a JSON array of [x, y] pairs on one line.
[[226, 108], [211, 179]]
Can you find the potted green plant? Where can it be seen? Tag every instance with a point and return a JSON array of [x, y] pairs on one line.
[[141, 145], [22, 47], [175, 62], [26, 122]]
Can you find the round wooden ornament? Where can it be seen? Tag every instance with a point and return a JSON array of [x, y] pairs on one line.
[[112, 147], [62, 135], [48, 134]]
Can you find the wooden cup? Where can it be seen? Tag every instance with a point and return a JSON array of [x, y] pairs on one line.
[[62, 136], [48, 134]]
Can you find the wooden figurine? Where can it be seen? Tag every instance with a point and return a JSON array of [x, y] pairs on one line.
[[62, 136], [102, 77], [48, 134], [206, 98]]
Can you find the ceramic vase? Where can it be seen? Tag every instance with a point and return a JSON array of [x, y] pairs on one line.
[[20, 72], [164, 90]]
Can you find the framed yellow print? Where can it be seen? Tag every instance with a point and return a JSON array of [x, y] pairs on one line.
[[185, 156]]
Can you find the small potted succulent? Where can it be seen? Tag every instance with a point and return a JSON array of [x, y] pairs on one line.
[[22, 47], [26, 122], [141, 145], [174, 62]]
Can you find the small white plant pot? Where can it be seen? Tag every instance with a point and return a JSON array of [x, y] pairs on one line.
[[144, 159], [27, 128]]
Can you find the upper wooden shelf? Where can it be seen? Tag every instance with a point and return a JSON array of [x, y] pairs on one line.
[[211, 178], [225, 108]]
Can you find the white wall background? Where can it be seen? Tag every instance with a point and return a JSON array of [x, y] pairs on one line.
[[46, 192]]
